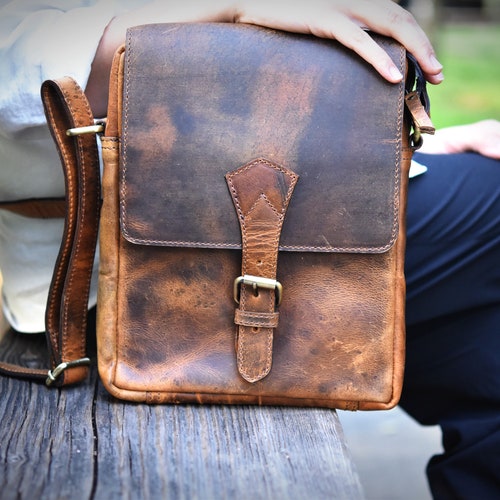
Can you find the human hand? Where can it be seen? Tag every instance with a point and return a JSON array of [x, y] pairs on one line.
[[343, 20], [347, 21], [481, 137]]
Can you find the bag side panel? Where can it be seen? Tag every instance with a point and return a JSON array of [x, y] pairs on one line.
[[109, 234]]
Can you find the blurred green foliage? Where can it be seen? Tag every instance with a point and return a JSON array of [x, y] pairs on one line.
[[471, 58]]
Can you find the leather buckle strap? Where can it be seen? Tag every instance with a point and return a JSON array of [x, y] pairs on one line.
[[261, 191], [66, 107]]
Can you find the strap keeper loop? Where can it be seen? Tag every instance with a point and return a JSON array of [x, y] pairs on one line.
[[256, 319]]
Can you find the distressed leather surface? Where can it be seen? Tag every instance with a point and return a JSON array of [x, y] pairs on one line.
[[200, 101], [261, 192], [217, 100]]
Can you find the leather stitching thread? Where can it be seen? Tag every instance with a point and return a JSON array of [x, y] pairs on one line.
[[82, 148], [277, 233]]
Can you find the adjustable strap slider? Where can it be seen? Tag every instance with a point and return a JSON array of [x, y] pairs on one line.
[[59, 369]]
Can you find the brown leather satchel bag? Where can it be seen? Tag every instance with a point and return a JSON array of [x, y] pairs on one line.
[[252, 229]]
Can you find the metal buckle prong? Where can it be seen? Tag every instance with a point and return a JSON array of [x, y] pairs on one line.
[[54, 374], [257, 282], [97, 128]]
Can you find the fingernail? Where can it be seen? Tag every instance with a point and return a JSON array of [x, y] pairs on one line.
[[435, 63], [395, 74], [439, 78]]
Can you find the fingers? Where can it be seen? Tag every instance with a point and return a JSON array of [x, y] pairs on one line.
[[482, 137], [353, 36], [347, 21], [388, 18]]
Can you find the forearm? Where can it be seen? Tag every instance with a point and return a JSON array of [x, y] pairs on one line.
[[40, 43], [481, 137], [154, 12]]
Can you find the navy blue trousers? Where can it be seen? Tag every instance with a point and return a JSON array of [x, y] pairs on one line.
[[452, 375]]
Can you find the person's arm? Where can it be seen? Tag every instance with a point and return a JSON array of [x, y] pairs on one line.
[[343, 20], [41, 40], [481, 137]]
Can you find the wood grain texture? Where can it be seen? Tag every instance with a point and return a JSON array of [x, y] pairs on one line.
[[81, 442], [46, 438]]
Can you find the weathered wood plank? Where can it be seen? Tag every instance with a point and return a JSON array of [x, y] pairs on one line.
[[46, 439], [222, 452], [81, 442]]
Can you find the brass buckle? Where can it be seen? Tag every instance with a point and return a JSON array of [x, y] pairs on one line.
[[97, 128], [257, 282], [56, 372], [416, 138]]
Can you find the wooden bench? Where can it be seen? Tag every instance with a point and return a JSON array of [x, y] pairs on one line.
[[81, 443]]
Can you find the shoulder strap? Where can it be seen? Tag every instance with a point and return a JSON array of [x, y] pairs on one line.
[[70, 121], [44, 208]]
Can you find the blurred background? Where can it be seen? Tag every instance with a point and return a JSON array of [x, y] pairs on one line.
[[389, 448], [466, 36]]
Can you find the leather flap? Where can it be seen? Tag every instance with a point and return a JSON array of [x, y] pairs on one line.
[[201, 100]]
